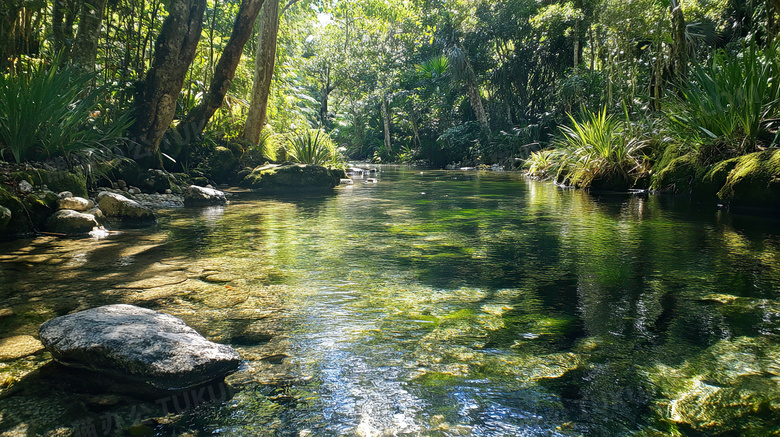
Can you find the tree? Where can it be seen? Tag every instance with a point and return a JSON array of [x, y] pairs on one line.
[[157, 95], [265, 61], [85, 46], [225, 70]]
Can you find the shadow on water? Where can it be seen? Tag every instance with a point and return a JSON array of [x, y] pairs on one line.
[[437, 303]]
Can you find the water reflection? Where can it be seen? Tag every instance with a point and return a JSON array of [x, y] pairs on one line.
[[490, 305]]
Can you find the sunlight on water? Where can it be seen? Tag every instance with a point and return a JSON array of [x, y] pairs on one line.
[[441, 304]]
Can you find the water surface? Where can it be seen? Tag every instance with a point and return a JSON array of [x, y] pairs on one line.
[[430, 303]]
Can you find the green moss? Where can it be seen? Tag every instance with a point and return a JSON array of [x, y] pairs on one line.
[[19, 223], [436, 379], [754, 181], [223, 164], [57, 181], [679, 176], [274, 177]]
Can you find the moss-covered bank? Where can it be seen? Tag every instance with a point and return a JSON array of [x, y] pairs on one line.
[[751, 180]]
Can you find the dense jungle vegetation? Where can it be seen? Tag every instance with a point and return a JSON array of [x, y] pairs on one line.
[[613, 93]]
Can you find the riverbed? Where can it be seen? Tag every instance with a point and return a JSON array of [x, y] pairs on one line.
[[434, 303]]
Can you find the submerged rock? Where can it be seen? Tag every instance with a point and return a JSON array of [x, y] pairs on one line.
[[195, 195], [293, 176], [19, 346], [68, 221], [120, 207], [137, 344]]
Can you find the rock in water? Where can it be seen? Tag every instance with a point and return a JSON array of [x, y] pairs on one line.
[[118, 206], [67, 221], [195, 196], [293, 177], [137, 344], [79, 204]]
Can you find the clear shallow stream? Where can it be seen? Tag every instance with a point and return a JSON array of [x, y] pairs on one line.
[[430, 303]]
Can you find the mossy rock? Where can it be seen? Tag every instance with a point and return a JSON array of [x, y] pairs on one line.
[[18, 222], [28, 213], [715, 178], [293, 177], [679, 177], [754, 181], [223, 164], [55, 180]]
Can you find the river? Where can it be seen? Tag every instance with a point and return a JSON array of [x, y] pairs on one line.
[[434, 303]]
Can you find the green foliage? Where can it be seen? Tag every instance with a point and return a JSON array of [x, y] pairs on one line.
[[462, 142], [46, 112], [543, 164], [731, 98], [312, 146], [602, 147]]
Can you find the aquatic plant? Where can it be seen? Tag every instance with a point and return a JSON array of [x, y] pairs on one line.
[[312, 146], [602, 147], [48, 112]]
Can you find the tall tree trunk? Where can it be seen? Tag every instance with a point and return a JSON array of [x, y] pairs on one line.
[[85, 45], [174, 52], [679, 46], [325, 91], [386, 124], [476, 100], [63, 16], [265, 60], [225, 70]]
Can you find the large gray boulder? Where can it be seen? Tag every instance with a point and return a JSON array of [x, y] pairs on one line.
[[68, 221], [120, 207], [139, 345], [197, 196]]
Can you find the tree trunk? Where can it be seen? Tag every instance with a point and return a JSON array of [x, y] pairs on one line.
[[85, 45], [476, 100], [386, 124], [265, 60], [174, 52], [679, 46], [325, 91], [225, 70], [63, 17]]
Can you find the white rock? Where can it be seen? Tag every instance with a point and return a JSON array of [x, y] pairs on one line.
[[25, 187], [70, 222], [75, 203]]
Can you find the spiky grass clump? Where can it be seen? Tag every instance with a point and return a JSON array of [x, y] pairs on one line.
[[543, 164], [731, 99], [602, 147], [312, 146], [47, 112]]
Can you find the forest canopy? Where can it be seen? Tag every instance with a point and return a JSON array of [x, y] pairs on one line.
[[459, 82]]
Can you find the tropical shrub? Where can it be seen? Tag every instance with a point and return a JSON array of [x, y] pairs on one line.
[[542, 164], [731, 99], [602, 147], [312, 146], [46, 112]]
